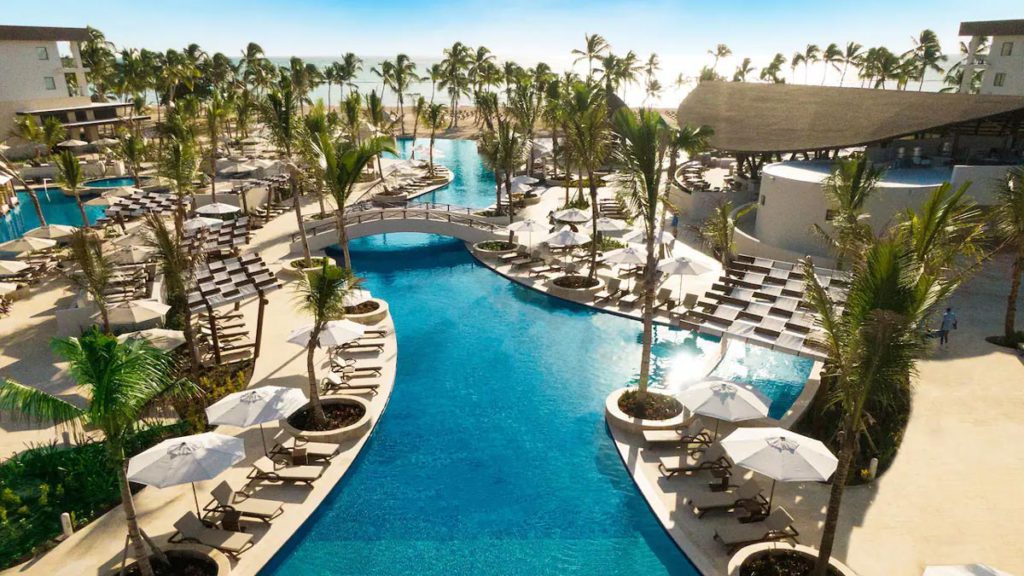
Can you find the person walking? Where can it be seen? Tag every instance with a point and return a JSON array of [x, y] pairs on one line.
[[948, 323]]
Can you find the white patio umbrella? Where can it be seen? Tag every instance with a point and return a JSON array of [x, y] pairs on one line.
[[240, 168], [567, 238], [782, 455], [964, 570], [132, 255], [7, 287], [12, 267], [218, 208], [136, 311], [335, 333], [521, 188], [640, 237], [188, 459], [524, 179], [682, 266], [572, 215], [256, 406], [52, 231], [25, 245], [72, 143], [104, 201], [200, 222], [356, 297], [724, 400], [106, 142], [605, 224], [529, 226], [630, 255], [160, 338]]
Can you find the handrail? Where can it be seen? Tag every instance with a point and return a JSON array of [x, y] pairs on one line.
[[429, 211]]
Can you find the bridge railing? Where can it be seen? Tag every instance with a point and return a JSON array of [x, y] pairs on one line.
[[365, 212]]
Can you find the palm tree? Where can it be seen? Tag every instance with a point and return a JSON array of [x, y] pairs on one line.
[[640, 151], [26, 128], [853, 55], [404, 76], [343, 162], [321, 295], [69, 176], [216, 116], [453, 76], [179, 265], [743, 70], [720, 51], [418, 108], [502, 149], [179, 165], [927, 55], [122, 380], [93, 271], [7, 169], [131, 149], [772, 72], [351, 66], [852, 182], [595, 47], [434, 116], [719, 228], [352, 112], [53, 133], [831, 56], [588, 137], [811, 55], [280, 117], [690, 139], [1009, 228], [332, 76]]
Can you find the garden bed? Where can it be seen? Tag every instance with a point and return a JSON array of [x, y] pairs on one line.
[[182, 563], [371, 312], [363, 308], [781, 559], [654, 407], [338, 416], [341, 413], [575, 282]]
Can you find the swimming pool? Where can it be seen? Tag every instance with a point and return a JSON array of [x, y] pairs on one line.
[[493, 456], [57, 209], [118, 182]]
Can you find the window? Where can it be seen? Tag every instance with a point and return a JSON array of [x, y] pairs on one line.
[[49, 83], [1007, 49], [999, 79], [42, 53]]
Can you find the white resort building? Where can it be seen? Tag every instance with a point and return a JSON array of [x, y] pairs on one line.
[[1003, 67], [785, 138]]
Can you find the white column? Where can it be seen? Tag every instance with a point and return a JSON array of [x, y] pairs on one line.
[[972, 54], [83, 82]]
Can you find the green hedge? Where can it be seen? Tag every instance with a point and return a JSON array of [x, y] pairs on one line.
[[39, 484]]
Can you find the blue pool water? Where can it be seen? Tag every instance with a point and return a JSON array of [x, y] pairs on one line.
[[472, 186], [57, 209], [110, 183], [493, 456]]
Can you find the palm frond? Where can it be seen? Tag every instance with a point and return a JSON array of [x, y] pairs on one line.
[[35, 404]]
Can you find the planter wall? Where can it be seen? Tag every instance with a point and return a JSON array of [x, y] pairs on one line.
[[287, 272], [371, 318], [616, 417], [484, 253], [748, 553], [196, 550], [578, 294], [341, 434]]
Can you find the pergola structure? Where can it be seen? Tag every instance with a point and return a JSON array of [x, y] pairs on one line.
[[229, 281], [227, 236], [761, 301], [141, 203]]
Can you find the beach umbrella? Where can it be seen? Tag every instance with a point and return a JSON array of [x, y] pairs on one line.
[[355, 297], [7, 287], [572, 215], [630, 255], [334, 333], [724, 400], [72, 143], [256, 406], [964, 570], [567, 238], [25, 245], [104, 201], [640, 237], [780, 454], [160, 338], [240, 168], [218, 208], [187, 459], [132, 255], [682, 266], [106, 142], [525, 179], [529, 226], [610, 178], [8, 267], [200, 222], [51, 231], [610, 225], [136, 311], [521, 188]]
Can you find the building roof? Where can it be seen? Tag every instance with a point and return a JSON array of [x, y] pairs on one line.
[[76, 108], [47, 33], [756, 118], [992, 28]]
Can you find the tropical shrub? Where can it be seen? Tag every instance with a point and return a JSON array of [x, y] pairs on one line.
[[215, 384]]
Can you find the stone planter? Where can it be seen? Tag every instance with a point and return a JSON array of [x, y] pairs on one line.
[[371, 318], [616, 417], [531, 200], [578, 294], [194, 550], [339, 435], [754, 550], [389, 199], [291, 273], [485, 253]]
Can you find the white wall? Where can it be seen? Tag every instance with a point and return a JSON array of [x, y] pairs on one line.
[[22, 72], [1012, 66]]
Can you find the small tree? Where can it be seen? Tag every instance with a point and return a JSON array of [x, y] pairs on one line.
[[719, 228], [178, 264], [434, 116], [69, 175], [132, 150], [7, 169], [1009, 228], [852, 182], [179, 164], [94, 270]]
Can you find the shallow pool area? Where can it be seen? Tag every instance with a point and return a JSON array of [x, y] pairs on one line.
[[493, 456], [57, 209], [118, 182]]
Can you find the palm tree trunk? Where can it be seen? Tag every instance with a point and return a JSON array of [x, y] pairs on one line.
[[298, 219], [593, 225], [343, 236], [213, 170], [1010, 323], [315, 407], [81, 209], [828, 534], [511, 208], [648, 316], [134, 534]]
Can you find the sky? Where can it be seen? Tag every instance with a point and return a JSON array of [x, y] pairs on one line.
[[528, 31]]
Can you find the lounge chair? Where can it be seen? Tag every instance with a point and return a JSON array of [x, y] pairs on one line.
[[777, 526], [690, 432], [610, 292], [227, 500], [191, 529], [748, 492], [544, 269], [266, 469], [352, 368], [688, 303], [664, 300], [364, 344], [285, 443], [333, 382], [631, 298], [713, 458]]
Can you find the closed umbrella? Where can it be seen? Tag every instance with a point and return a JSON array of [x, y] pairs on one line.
[[136, 311], [964, 570], [682, 266], [132, 255], [334, 333], [529, 226], [8, 267], [25, 245], [72, 143], [160, 338], [188, 459], [256, 406], [782, 455], [52, 231], [218, 208], [572, 215]]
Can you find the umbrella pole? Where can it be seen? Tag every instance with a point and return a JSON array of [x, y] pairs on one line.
[[717, 422], [264, 439], [680, 296], [771, 496], [196, 498]]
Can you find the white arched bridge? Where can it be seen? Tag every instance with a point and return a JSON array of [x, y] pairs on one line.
[[428, 218]]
